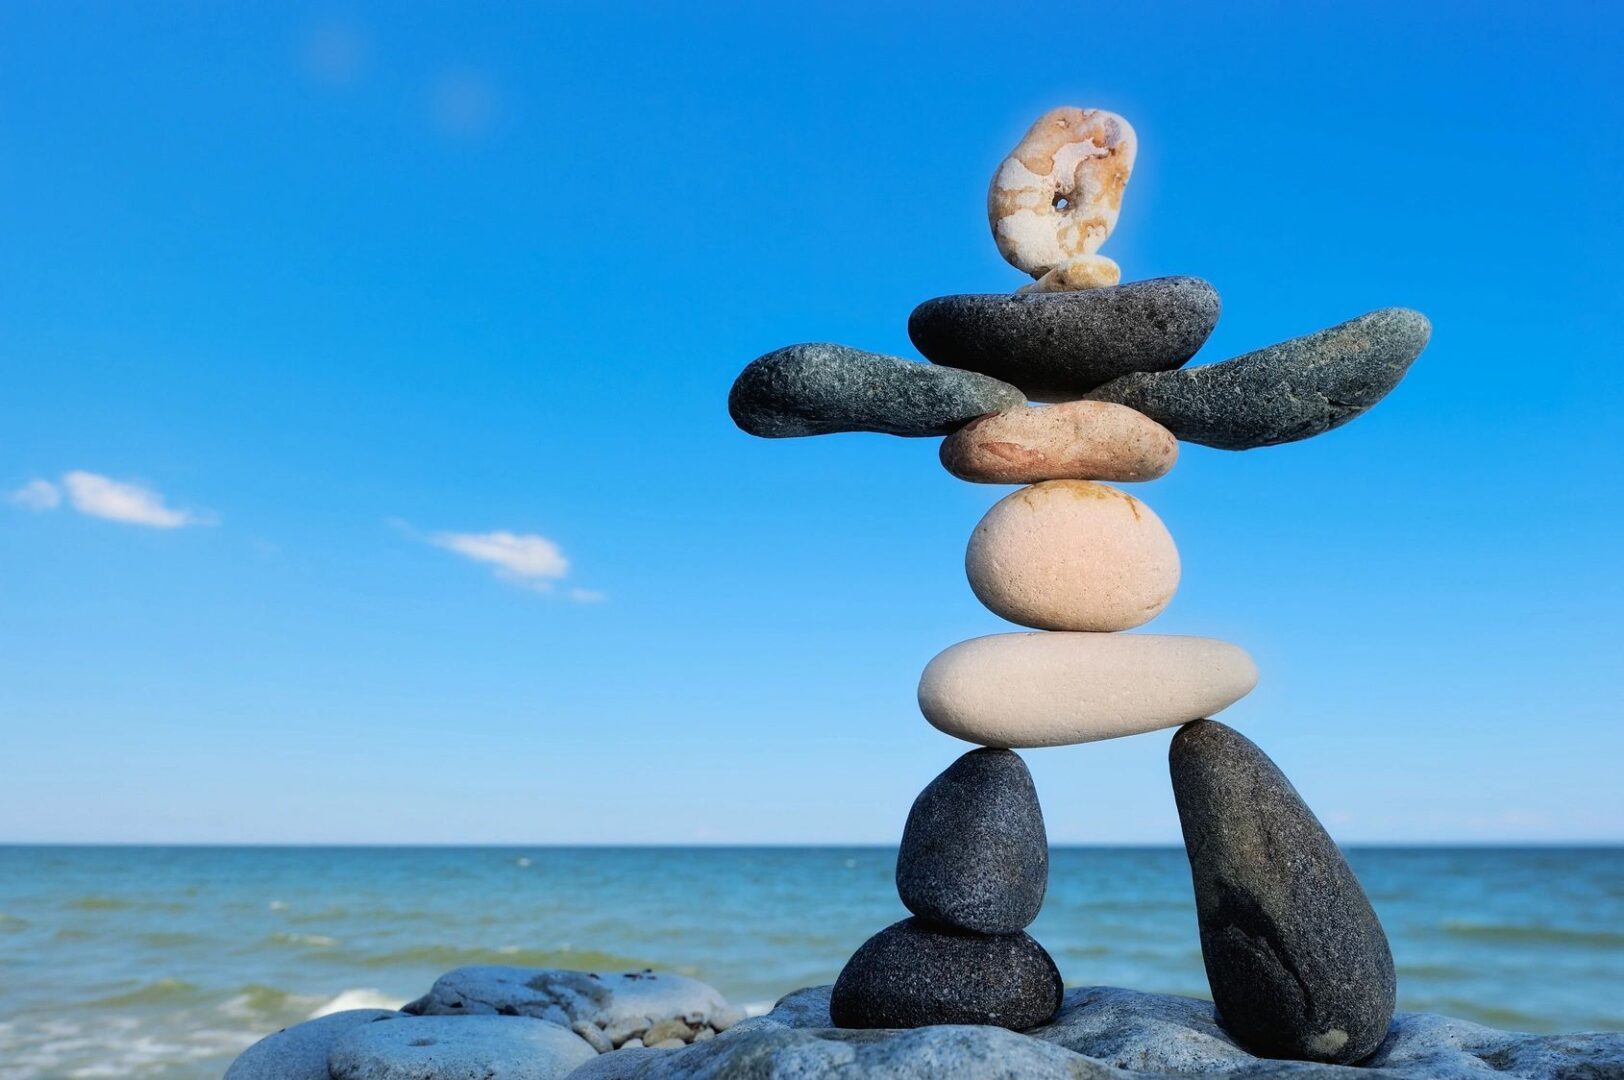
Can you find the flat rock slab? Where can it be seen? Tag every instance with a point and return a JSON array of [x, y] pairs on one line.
[[300, 1052], [820, 389], [1286, 392], [458, 1048], [1101, 1033], [1059, 346], [1296, 958], [567, 997]]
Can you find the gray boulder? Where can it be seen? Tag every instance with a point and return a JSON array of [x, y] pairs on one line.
[[1286, 392], [608, 1001], [300, 1052], [458, 1048], [819, 389]]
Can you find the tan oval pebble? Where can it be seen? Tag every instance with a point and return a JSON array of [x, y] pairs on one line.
[[1076, 440], [1019, 690], [667, 1044], [1072, 555]]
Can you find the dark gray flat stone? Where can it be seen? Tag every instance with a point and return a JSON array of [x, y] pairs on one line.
[[974, 853], [1059, 346], [458, 1048], [300, 1052], [819, 389], [1286, 392], [912, 974], [1298, 964], [1101, 1033]]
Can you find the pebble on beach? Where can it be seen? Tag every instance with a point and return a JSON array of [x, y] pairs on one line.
[[1059, 346], [1297, 961], [974, 853], [1075, 440], [819, 389], [1072, 555], [1283, 393], [1055, 689], [912, 974], [458, 1048]]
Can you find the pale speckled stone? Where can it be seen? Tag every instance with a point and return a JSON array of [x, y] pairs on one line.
[[459, 1048], [1055, 199], [1055, 689], [622, 1003], [1072, 555], [1075, 440], [300, 1052]]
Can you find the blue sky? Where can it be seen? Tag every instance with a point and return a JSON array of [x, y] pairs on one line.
[[308, 314]]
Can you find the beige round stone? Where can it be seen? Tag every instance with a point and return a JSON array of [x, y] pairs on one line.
[[1019, 690], [1072, 555], [1075, 440]]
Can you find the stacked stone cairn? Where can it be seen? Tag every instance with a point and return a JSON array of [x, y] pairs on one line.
[[1298, 964]]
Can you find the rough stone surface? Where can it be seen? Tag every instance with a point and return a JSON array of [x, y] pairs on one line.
[[1072, 555], [1103, 1033], [1054, 689], [818, 389], [1059, 346], [629, 1000], [1297, 961], [1286, 392], [458, 1048], [911, 974], [300, 1052], [974, 853], [1075, 440]]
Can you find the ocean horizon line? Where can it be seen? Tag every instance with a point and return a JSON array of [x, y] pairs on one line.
[[718, 845]]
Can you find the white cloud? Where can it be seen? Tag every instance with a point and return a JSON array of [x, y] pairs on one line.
[[587, 596], [36, 495], [132, 504], [520, 558]]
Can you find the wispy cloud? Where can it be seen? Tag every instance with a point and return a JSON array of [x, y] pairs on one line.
[[335, 53], [126, 502], [36, 495], [463, 103], [528, 560]]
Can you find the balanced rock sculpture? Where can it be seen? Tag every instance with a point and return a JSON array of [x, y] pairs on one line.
[[1298, 964]]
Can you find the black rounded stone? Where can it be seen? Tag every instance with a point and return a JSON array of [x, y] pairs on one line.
[[974, 853], [1297, 961], [1283, 393], [1059, 346], [912, 974], [818, 389]]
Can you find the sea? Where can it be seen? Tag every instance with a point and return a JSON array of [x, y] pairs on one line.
[[169, 961]]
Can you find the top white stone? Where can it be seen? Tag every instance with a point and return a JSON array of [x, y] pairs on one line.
[[1056, 198]]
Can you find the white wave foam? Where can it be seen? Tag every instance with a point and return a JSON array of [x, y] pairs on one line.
[[359, 998]]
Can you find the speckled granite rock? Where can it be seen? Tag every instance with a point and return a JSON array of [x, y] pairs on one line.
[[1296, 958], [458, 1048], [1286, 392], [974, 853], [819, 389], [912, 974], [1102, 1033], [1059, 346], [609, 1001], [300, 1052]]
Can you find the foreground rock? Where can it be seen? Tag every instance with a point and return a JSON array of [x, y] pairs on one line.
[[1297, 961], [819, 389], [1286, 392], [300, 1052], [1075, 440], [911, 974], [1072, 555], [1102, 1033], [974, 853], [1059, 346], [1054, 689], [458, 1048]]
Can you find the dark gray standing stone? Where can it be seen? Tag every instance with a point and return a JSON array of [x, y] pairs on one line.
[[1059, 346], [974, 854], [300, 1052], [1286, 392], [819, 389], [1298, 964], [912, 974]]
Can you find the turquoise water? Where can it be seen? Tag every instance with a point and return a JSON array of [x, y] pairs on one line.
[[164, 962]]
